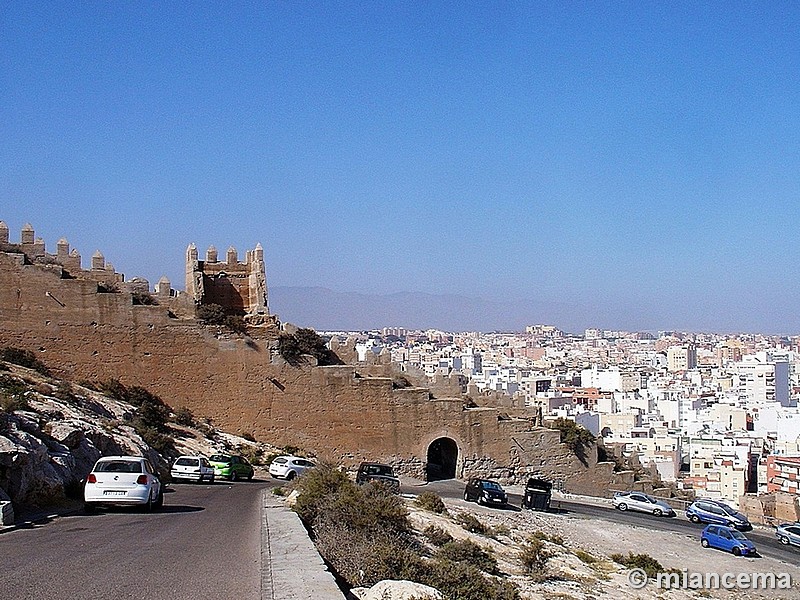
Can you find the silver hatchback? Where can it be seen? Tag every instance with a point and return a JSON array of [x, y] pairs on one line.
[[641, 502]]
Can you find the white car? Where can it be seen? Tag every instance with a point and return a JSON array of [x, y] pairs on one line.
[[123, 480], [289, 467], [192, 468]]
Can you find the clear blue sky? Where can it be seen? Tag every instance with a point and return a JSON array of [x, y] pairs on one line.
[[638, 159]]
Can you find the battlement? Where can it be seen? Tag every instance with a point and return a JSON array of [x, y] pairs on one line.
[[238, 287], [34, 251]]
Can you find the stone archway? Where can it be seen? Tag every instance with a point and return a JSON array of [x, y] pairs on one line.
[[442, 459]]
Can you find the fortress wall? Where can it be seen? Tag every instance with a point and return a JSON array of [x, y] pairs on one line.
[[86, 335]]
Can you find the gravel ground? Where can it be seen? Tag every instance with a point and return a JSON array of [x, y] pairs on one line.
[[571, 577]]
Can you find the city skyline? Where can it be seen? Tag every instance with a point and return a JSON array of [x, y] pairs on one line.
[[625, 167]]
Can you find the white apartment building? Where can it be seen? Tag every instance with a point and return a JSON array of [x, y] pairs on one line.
[[760, 382], [681, 358], [611, 379]]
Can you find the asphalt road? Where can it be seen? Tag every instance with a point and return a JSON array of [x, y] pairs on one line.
[[764, 539], [204, 543]]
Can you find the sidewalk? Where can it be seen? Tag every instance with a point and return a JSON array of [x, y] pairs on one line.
[[291, 567]]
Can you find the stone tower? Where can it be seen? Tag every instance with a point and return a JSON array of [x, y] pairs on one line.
[[239, 287]]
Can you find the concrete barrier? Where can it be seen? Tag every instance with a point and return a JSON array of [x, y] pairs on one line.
[[291, 567]]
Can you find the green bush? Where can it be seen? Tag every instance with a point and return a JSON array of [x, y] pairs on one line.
[[254, 455], [534, 559], [363, 532], [574, 436], [211, 314], [115, 389], [472, 524], [11, 385], [293, 346], [65, 392], [236, 324], [462, 581], [552, 538], [317, 488], [24, 358], [640, 561], [185, 417], [436, 535], [143, 299], [501, 529], [11, 403], [431, 502], [586, 557], [160, 442], [466, 551]]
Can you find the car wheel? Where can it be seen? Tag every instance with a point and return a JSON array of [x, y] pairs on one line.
[[211, 480], [694, 519], [622, 506], [250, 477], [234, 476], [480, 501], [737, 551], [148, 506], [290, 475], [657, 512], [784, 540], [704, 543], [466, 497], [89, 507], [159, 500]]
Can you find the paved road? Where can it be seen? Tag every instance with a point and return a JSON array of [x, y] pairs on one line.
[[204, 543], [764, 539]]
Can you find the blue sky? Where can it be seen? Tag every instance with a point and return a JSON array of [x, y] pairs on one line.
[[638, 160]]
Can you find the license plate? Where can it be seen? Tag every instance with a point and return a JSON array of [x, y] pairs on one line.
[[113, 493]]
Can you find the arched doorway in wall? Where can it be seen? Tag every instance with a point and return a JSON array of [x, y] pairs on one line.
[[442, 459]]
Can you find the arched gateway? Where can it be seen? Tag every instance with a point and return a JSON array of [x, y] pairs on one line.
[[442, 459]]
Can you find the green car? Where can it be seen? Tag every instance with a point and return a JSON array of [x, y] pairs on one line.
[[231, 466]]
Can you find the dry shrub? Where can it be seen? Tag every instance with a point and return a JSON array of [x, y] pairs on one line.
[[534, 558]]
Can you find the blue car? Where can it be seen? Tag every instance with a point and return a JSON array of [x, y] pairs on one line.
[[728, 539], [716, 513]]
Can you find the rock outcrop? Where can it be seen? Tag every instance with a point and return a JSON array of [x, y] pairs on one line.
[[52, 433], [390, 589]]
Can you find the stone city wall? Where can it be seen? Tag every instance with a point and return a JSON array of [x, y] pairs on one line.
[[240, 384]]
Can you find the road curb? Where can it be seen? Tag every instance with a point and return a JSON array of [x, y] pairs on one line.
[[291, 567]]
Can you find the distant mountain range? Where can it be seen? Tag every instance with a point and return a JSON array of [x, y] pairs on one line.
[[325, 309]]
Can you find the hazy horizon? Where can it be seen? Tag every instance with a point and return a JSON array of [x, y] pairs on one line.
[[624, 166]]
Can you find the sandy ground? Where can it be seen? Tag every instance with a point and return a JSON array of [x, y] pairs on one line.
[[570, 577]]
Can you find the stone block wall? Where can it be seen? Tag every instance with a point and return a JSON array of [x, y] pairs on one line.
[[334, 412]]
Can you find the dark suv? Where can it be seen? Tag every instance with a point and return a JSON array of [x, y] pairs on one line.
[[485, 491], [369, 471]]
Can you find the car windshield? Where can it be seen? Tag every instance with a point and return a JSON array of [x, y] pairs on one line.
[[728, 510], [119, 466], [737, 535], [223, 458], [379, 470], [650, 499], [490, 485]]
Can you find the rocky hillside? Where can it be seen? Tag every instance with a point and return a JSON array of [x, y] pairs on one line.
[[52, 432]]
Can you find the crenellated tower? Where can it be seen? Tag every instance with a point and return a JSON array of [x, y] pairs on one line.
[[238, 287]]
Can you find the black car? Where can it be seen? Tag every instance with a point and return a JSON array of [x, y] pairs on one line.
[[378, 472], [486, 492], [537, 494]]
